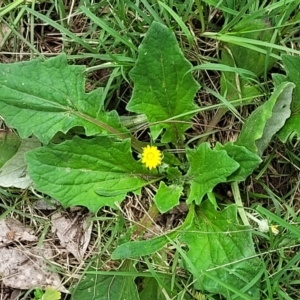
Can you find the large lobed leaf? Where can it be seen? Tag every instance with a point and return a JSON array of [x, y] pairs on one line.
[[223, 248], [207, 168], [90, 172], [163, 86], [247, 160], [45, 97]]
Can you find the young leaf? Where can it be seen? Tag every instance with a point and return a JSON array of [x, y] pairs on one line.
[[51, 294], [267, 119], [207, 168], [174, 175], [13, 173], [163, 86], [219, 245], [90, 172], [38, 294], [108, 287], [167, 196], [292, 125], [45, 97], [247, 160]]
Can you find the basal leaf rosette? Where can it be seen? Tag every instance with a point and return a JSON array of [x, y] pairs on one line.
[[163, 86], [89, 172]]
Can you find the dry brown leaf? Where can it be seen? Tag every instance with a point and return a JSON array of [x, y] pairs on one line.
[[27, 268], [13, 230], [73, 234]]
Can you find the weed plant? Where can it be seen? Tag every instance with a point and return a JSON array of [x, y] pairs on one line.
[[175, 125]]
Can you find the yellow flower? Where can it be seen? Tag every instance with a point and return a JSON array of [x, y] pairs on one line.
[[274, 229], [151, 157]]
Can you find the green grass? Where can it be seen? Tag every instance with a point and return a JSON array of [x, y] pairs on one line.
[[105, 37]]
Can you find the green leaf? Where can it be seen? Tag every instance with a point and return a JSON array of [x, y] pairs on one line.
[[108, 287], [146, 247], [51, 294], [45, 97], [163, 86], [171, 159], [13, 173], [234, 86], [140, 248], [9, 145], [207, 168], [38, 294], [249, 59], [167, 196], [247, 160], [152, 290], [245, 58], [292, 125], [90, 172], [174, 175], [278, 79], [223, 248], [267, 119]]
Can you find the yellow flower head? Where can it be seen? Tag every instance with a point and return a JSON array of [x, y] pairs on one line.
[[151, 157], [274, 229]]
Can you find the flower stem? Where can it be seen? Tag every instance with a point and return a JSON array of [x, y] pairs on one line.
[[238, 201]]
